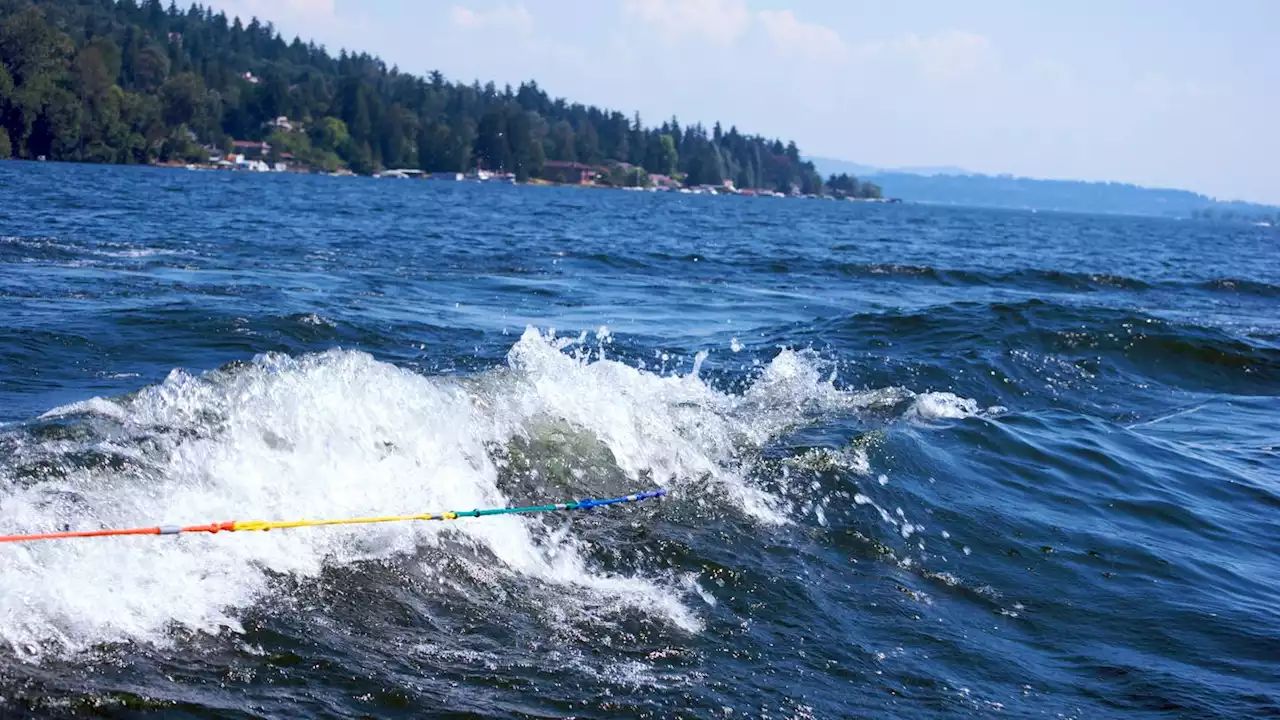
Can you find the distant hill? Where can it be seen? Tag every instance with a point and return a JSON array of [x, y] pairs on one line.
[[832, 166], [954, 186], [142, 81]]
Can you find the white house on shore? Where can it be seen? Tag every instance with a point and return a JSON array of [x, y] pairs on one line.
[[285, 124], [240, 162]]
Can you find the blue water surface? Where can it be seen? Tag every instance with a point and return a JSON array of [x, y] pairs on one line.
[[923, 461]]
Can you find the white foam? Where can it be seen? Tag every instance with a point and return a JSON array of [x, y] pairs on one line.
[[131, 252], [316, 320], [341, 434], [95, 406], [947, 406], [107, 250]]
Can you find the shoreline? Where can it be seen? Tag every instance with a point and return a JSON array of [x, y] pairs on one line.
[[469, 179], [508, 179]]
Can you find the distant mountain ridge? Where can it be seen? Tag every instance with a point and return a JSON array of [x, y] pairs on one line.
[[833, 166], [956, 186]]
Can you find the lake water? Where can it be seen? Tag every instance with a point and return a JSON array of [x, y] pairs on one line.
[[921, 461]]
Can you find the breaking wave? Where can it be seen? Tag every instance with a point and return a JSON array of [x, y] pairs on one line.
[[342, 434]]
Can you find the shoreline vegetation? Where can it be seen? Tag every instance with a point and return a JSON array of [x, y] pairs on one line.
[[123, 82], [597, 178]]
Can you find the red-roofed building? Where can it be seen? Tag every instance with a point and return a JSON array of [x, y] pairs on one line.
[[569, 173]]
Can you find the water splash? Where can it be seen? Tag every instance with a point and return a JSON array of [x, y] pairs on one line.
[[339, 433]]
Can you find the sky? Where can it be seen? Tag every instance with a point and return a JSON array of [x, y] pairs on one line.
[[1167, 93]]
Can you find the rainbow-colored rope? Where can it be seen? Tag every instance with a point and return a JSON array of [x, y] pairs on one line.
[[264, 525]]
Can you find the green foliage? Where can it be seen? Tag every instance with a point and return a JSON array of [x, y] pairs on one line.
[[358, 156], [133, 81], [563, 142], [179, 147], [625, 175], [151, 68], [329, 134], [183, 99], [845, 185], [31, 50], [93, 70], [6, 148], [300, 145], [662, 156]]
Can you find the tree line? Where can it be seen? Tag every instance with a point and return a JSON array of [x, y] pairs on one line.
[[112, 81]]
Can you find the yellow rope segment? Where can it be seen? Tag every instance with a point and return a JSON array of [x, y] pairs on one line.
[[264, 525]]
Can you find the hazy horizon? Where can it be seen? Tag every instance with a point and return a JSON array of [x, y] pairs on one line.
[[1167, 94]]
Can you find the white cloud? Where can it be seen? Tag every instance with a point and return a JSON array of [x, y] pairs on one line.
[[513, 17], [792, 36], [315, 12], [514, 42], [310, 20], [944, 56], [725, 21], [302, 7], [722, 21], [989, 95]]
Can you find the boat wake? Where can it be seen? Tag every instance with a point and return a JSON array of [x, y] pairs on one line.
[[341, 434]]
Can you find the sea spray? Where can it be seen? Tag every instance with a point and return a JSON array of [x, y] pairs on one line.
[[340, 433]]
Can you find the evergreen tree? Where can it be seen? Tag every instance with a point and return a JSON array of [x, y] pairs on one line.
[[133, 82]]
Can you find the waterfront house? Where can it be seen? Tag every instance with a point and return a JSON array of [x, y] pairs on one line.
[[284, 123], [251, 149], [568, 173]]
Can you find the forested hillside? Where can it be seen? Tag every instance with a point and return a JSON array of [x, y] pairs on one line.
[[121, 82]]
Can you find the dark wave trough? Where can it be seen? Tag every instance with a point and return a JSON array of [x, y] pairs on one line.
[[922, 462]]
